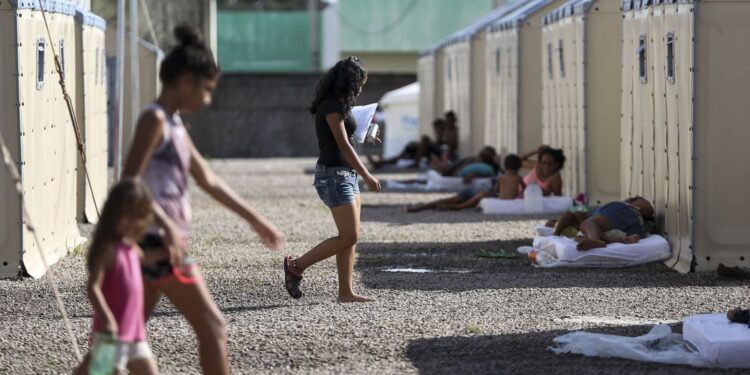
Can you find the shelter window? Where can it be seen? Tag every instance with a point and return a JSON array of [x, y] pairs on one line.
[[103, 68], [96, 67], [562, 58], [549, 60], [40, 46], [62, 57], [497, 61], [642, 59], [670, 57]]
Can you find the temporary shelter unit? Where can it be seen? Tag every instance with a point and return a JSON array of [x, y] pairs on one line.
[[40, 137], [465, 77], [91, 95], [516, 82], [685, 81], [149, 60], [401, 107], [581, 94]]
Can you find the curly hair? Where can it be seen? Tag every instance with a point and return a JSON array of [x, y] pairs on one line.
[[556, 154], [342, 82]]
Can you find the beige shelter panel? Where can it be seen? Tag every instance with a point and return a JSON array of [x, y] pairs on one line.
[[660, 150], [10, 227], [644, 109], [627, 117], [680, 260], [478, 94], [507, 135], [49, 154], [439, 84], [684, 59], [427, 92], [579, 61], [547, 90], [493, 58], [92, 119], [463, 57]]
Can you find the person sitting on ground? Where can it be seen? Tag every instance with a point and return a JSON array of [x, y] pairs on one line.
[[450, 135], [504, 187], [545, 171], [415, 152], [622, 222]]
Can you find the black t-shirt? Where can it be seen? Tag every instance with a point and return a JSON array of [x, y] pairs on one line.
[[330, 154]]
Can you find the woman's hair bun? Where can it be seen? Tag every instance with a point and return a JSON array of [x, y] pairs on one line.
[[188, 35]]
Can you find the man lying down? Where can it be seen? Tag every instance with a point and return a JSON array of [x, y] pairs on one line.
[[614, 222]]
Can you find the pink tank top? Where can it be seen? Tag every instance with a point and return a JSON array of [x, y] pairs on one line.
[[123, 290], [168, 171], [533, 178]]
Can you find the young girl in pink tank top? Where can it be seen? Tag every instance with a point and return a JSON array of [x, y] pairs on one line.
[[115, 285]]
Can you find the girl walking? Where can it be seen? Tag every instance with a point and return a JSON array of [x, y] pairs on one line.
[[163, 153], [336, 176]]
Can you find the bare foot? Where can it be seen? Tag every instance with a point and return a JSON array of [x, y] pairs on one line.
[[412, 208], [632, 239], [587, 244], [354, 298]]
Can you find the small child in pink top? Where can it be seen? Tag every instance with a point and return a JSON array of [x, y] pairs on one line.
[[115, 285]]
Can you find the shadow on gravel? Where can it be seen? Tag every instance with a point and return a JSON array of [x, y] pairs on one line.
[[446, 259], [526, 354], [394, 214]]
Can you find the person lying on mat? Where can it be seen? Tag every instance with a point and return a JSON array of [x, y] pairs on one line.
[[484, 164], [545, 171], [622, 222], [504, 187]]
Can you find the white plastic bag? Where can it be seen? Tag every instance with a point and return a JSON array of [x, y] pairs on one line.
[[659, 345]]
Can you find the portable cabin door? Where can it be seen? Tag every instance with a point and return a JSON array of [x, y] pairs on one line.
[[722, 86], [601, 84], [660, 178]]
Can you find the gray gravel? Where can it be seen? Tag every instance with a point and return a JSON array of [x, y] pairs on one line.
[[498, 318]]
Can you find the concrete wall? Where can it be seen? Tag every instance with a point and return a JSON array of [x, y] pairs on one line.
[[265, 115]]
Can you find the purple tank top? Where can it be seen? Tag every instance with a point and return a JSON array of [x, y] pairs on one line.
[[168, 171], [123, 290]]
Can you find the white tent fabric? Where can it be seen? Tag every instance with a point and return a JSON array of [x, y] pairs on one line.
[[401, 109]]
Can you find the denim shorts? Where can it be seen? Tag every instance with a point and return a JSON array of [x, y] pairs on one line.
[[336, 186]]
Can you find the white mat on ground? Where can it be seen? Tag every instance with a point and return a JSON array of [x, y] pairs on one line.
[[565, 254], [436, 181], [708, 340], [550, 205], [721, 342]]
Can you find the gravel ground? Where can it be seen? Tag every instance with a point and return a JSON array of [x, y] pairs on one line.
[[500, 317]]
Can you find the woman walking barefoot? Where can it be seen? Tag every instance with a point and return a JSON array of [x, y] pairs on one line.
[[336, 176]]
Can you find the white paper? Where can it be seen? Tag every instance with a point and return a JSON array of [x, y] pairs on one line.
[[363, 117]]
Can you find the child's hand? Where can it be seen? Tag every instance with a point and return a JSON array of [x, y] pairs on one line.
[[110, 326], [174, 244], [270, 236]]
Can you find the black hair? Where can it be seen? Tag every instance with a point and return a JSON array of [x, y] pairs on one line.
[[438, 121], [451, 114], [342, 82], [556, 154], [130, 197], [490, 157], [512, 162], [190, 56]]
